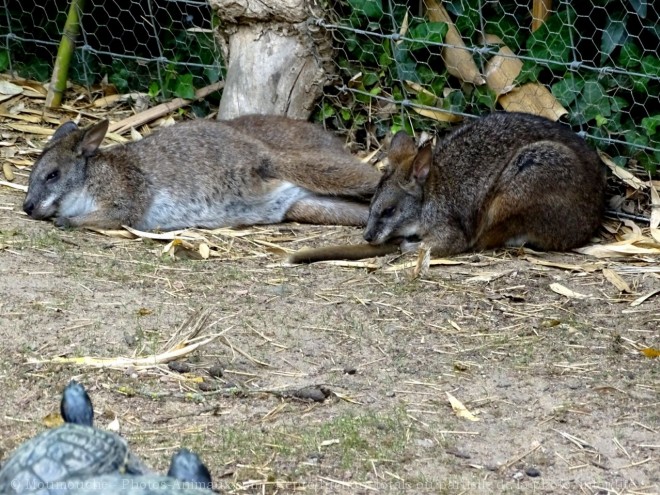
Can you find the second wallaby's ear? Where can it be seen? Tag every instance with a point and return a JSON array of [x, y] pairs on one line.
[[422, 162], [402, 149], [93, 137], [64, 130]]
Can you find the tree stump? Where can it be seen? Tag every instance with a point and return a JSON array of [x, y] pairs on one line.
[[278, 59]]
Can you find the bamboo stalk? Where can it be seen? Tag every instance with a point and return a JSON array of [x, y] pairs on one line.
[[64, 53], [540, 11]]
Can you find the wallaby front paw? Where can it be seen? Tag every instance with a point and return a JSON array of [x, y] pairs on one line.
[[62, 222]]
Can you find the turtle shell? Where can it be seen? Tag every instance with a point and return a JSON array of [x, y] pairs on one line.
[[70, 451]]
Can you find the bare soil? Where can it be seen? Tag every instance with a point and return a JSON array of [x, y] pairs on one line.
[[565, 400]]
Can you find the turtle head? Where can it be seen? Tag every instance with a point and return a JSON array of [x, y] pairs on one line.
[[188, 467], [76, 406]]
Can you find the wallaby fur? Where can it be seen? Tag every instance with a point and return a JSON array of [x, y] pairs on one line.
[[251, 170], [506, 179]]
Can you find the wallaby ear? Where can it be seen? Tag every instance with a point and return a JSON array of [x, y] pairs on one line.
[[64, 130], [422, 162], [93, 137], [402, 149]]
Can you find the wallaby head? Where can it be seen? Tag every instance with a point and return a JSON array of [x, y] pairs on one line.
[[57, 180], [395, 211]]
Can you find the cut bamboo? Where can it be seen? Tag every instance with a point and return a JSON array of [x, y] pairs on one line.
[[64, 53]]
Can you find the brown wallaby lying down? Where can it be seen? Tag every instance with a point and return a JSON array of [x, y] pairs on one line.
[[252, 170], [507, 179]]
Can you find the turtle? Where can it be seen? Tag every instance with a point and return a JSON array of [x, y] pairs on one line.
[[74, 450], [187, 475]]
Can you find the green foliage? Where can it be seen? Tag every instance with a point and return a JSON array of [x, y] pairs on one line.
[[4, 60], [190, 57], [598, 58]]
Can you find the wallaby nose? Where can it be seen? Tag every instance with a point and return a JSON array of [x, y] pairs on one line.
[[28, 207], [368, 236]]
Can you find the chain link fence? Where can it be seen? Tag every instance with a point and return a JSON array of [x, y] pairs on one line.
[[163, 47], [416, 65], [421, 64]]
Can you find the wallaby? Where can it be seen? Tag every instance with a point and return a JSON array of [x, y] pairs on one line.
[[253, 170], [506, 179]]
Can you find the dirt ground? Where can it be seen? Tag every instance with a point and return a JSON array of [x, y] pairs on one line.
[[334, 378], [565, 400]]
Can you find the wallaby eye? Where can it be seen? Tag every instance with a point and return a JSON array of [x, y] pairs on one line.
[[54, 175], [387, 212]]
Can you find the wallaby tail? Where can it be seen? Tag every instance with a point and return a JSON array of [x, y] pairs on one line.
[[347, 252]]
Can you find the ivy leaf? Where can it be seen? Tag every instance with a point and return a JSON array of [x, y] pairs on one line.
[[650, 124], [184, 87], [651, 65], [4, 60], [427, 33], [631, 55], [370, 8], [552, 41], [614, 35], [592, 103], [568, 89]]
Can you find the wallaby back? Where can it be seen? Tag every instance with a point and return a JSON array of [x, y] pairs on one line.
[[199, 174], [504, 179]]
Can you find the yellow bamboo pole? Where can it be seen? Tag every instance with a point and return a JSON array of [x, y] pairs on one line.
[[64, 53]]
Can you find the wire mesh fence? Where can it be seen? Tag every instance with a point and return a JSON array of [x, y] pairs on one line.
[[415, 65], [165, 47]]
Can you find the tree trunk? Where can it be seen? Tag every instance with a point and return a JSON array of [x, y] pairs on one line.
[[277, 58]]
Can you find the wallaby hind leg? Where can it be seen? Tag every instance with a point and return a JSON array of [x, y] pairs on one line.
[[329, 173], [328, 211], [544, 198]]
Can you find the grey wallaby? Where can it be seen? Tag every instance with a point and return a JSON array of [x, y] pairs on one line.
[[506, 179], [251, 170]]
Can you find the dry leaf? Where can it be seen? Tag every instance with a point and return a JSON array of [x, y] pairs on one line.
[[503, 69], [8, 88], [458, 60], [204, 250], [655, 213], [439, 115], [9, 174], [113, 425], [52, 420], [423, 262], [460, 410], [640, 300], [627, 247], [616, 280], [650, 352], [565, 291], [533, 98], [621, 172]]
